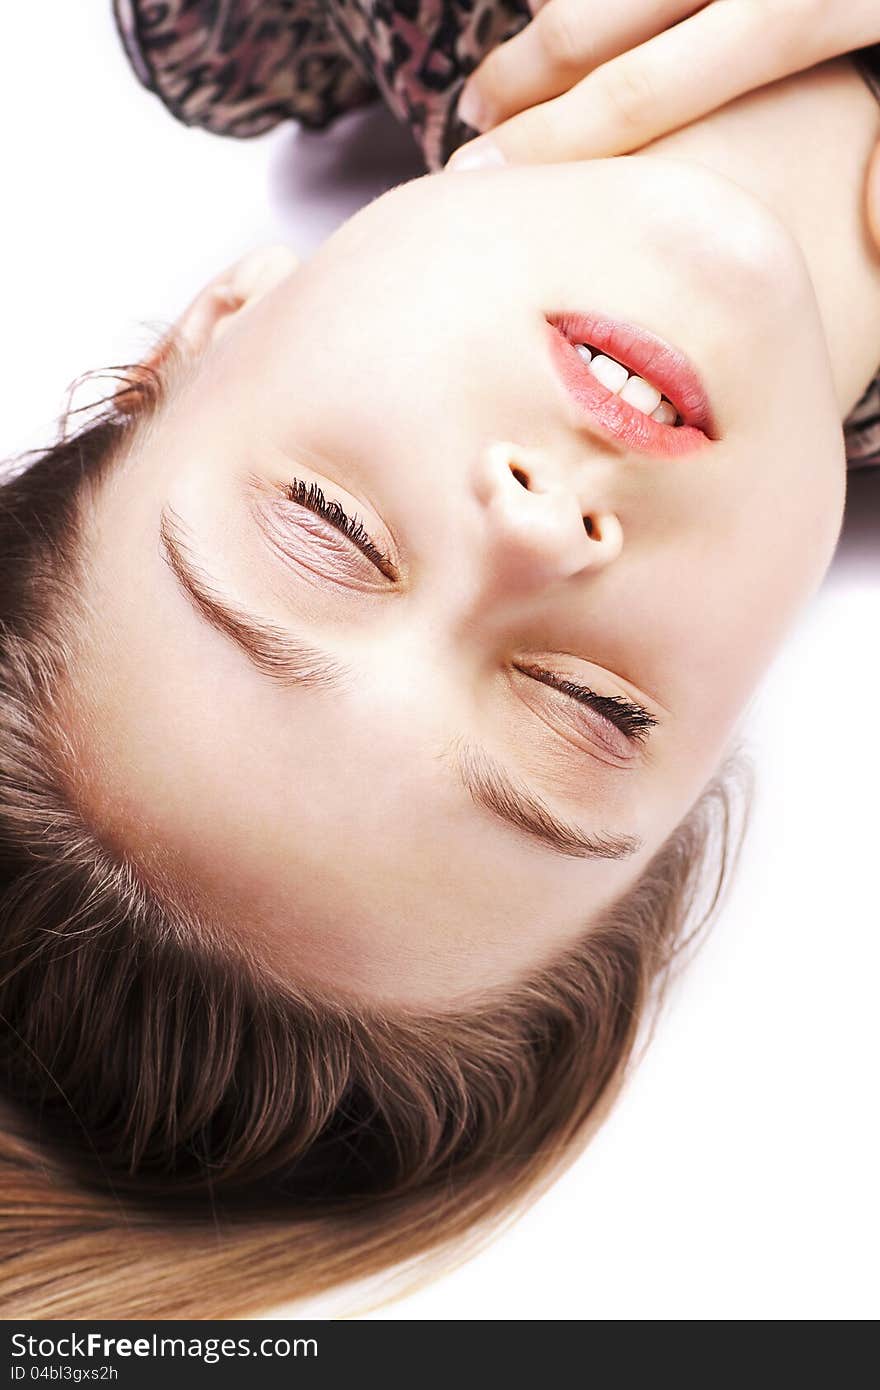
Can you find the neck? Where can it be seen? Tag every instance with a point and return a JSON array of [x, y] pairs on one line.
[[803, 147]]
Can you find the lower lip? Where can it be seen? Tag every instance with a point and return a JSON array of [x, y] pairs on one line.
[[615, 417]]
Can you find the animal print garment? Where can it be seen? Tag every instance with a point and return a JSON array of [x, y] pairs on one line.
[[239, 67]]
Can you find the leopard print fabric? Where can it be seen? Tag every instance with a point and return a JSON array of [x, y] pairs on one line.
[[239, 67]]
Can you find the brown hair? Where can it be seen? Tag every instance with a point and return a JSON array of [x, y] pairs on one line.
[[182, 1136]]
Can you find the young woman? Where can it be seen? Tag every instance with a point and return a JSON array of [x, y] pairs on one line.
[[365, 674]]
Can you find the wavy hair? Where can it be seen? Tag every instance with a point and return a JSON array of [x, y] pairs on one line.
[[183, 1135]]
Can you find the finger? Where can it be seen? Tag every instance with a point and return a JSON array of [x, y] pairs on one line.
[[727, 48], [565, 41]]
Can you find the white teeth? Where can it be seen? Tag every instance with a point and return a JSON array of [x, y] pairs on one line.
[[633, 389], [665, 413], [641, 394], [609, 372]]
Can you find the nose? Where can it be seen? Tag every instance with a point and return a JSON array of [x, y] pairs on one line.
[[545, 523]]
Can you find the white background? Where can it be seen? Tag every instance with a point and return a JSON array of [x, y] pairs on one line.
[[737, 1177]]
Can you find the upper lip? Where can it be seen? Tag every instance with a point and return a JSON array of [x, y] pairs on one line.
[[651, 357]]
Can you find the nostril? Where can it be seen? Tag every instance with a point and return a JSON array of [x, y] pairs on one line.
[[521, 476], [590, 528]]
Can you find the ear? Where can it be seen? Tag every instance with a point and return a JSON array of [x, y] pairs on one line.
[[215, 307]]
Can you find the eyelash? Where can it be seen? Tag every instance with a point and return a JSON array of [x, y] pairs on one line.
[[632, 720], [310, 496]]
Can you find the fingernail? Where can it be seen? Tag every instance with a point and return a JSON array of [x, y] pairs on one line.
[[476, 154], [471, 109]]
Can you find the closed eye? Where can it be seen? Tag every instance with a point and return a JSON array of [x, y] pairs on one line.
[[311, 496], [631, 719]]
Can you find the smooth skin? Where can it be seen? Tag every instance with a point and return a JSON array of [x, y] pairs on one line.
[[404, 369]]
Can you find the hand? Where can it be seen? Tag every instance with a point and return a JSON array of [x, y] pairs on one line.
[[588, 79]]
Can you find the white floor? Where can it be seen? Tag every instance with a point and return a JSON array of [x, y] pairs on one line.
[[737, 1178]]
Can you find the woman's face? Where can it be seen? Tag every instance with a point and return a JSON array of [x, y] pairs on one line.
[[378, 756]]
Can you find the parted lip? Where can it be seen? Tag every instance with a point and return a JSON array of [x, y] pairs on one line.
[[642, 352]]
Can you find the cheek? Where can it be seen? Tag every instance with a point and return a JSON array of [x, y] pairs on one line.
[[751, 546], [710, 605], [721, 626]]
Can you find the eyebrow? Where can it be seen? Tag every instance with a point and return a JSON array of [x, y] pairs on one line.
[[492, 788], [274, 651], [290, 660]]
